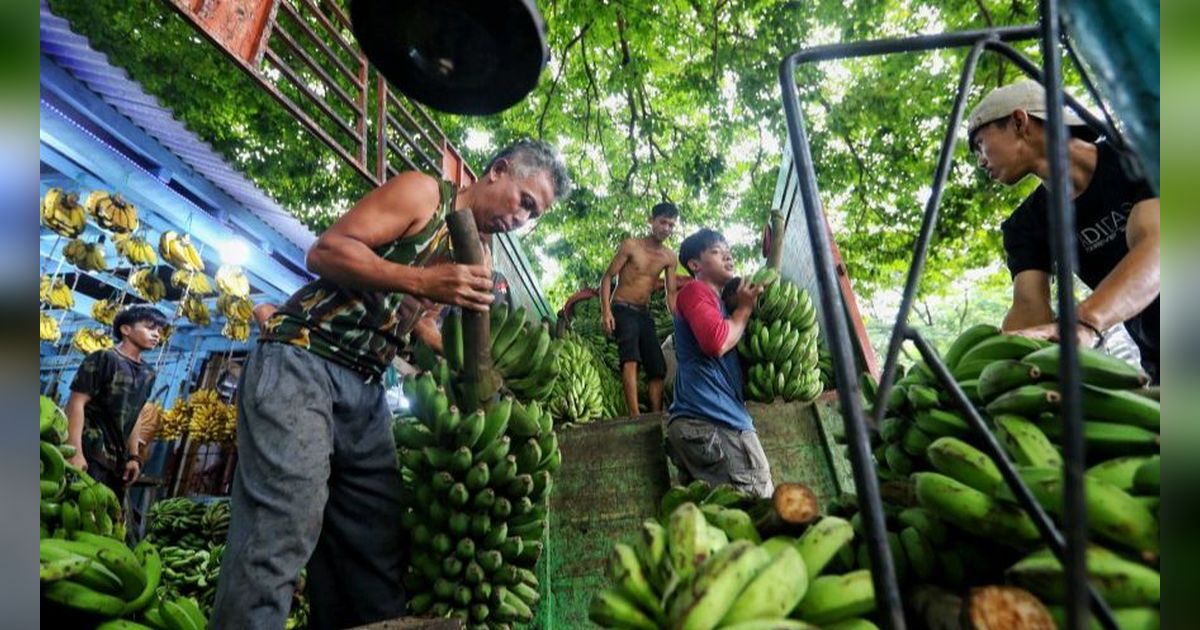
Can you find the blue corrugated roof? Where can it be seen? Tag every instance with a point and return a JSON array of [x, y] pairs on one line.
[[73, 52]]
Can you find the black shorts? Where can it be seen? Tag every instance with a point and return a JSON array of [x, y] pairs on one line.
[[636, 340]]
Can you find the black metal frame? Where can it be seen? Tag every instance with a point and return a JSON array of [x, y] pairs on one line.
[[1071, 550]]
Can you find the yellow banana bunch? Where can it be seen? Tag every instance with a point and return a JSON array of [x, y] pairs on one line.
[[194, 282], [165, 335], [96, 260], [193, 308], [236, 330], [147, 285], [173, 422], [179, 251], [211, 419], [56, 293], [235, 308], [104, 311], [86, 256], [135, 249], [48, 328], [76, 252], [112, 212], [231, 279], [88, 340], [61, 212]]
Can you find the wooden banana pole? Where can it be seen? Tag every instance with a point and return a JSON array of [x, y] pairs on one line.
[[479, 381], [775, 258]]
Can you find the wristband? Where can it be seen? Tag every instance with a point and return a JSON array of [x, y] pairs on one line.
[[1099, 335], [135, 458]]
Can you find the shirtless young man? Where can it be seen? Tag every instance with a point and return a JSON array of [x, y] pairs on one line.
[[637, 265]]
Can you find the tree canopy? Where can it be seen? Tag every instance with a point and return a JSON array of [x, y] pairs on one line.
[[652, 100]]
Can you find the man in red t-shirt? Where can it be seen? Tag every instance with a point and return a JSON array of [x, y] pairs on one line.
[[710, 435]]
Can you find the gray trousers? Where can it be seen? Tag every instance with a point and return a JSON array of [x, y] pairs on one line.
[[718, 454], [316, 483]]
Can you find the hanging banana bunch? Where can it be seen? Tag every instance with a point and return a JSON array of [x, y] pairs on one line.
[[135, 249], [211, 419], [86, 256], [236, 330], [174, 421], [236, 308], [112, 212], [88, 340], [147, 285], [195, 283], [179, 251], [231, 279], [48, 328], [194, 308], [56, 293], [164, 335], [62, 213], [105, 312]]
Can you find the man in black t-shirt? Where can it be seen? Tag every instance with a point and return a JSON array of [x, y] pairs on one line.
[[1116, 223], [107, 396]]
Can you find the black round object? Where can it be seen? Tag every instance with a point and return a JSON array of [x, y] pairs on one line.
[[475, 57]]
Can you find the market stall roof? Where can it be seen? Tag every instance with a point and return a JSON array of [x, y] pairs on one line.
[[73, 53]]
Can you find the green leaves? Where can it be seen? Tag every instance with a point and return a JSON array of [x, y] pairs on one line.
[[674, 99]]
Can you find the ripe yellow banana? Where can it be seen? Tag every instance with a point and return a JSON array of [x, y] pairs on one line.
[[87, 340], [61, 212], [104, 311], [48, 328], [236, 330], [232, 280], [56, 293], [194, 308]]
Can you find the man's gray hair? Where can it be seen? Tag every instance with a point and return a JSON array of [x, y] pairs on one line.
[[530, 156]]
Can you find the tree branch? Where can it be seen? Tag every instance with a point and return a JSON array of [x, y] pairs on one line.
[[860, 190], [562, 68]]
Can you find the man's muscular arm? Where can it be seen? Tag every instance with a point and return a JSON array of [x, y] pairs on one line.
[[672, 282], [1031, 301], [614, 268], [345, 253]]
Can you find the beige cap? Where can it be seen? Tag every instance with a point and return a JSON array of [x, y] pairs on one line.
[[1002, 101]]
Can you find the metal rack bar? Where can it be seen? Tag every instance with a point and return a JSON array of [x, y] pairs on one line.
[[887, 591], [1071, 550], [1062, 243]]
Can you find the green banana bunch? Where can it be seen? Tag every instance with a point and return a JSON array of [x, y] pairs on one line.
[[476, 496], [98, 575], [215, 522], [780, 346], [1121, 582], [1025, 443], [171, 521], [966, 341], [776, 589], [1096, 368], [73, 502], [973, 511], [1112, 513], [529, 364], [576, 396], [716, 584], [52, 422], [181, 613], [833, 598], [965, 463]]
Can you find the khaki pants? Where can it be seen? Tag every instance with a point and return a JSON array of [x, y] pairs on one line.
[[718, 454]]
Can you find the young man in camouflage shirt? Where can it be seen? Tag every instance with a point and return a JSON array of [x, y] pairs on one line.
[[317, 480], [107, 396]]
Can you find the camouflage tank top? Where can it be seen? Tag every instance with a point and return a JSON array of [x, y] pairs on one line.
[[362, 329]]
